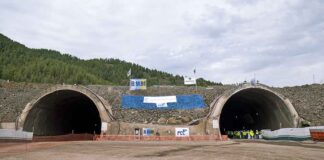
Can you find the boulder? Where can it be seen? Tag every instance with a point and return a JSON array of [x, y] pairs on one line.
[[162, 120], [185, 119], [172, 121]]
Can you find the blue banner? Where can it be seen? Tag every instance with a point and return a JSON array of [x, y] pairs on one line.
[[182, 102]]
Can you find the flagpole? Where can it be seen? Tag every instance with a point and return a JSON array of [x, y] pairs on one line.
[[129, 75], [195, 78]]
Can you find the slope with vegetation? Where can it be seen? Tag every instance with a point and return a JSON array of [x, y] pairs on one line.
[[22, 64]]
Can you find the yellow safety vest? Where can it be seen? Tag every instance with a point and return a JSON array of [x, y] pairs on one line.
[[251, 133]]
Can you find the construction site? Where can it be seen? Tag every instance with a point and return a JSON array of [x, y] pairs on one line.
[[162, 79], [95, 118]]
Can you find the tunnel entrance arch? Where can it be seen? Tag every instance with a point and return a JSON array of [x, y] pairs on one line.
[[253, 107], [66, 109]]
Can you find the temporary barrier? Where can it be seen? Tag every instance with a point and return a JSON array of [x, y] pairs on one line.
[[317, 133], [157, 138], [297, 134], [67, 137], [90, 137], [163, 102], [12, 134]]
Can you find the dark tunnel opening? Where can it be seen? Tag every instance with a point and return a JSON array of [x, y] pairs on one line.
[[63, 112], [254, 109]]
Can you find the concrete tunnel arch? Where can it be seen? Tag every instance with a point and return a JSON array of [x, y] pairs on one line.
[[65, 109], [252, 107]]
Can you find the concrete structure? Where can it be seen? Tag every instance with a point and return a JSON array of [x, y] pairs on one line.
[[76, 109], [66, 109], [8, 125], [252, 107]]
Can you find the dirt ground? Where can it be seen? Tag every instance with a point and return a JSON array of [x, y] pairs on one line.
[[225, 150]]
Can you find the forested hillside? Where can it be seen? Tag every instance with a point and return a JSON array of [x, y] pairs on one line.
[[22, 64]]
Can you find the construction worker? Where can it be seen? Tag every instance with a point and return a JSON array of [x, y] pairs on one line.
[[238, 134], [251, 134], [244, 134], [257, 134], [229, 134], [235, 134]]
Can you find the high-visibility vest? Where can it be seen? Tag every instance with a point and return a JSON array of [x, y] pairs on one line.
[[251, 133]]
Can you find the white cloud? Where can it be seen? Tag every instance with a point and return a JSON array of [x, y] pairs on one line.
[[228, 41]]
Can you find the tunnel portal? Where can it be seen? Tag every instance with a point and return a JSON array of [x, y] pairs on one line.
[[63, 112], [255, 109]]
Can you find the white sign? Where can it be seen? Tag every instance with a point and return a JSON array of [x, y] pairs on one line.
[[161, 105], [161, 101], [181, 132], [104, 126], [148, 131], [189, 81], [137, 84], [215, 123]]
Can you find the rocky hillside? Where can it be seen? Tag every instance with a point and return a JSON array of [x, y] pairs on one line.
[[157, 116], [15, 96], [308, 101]]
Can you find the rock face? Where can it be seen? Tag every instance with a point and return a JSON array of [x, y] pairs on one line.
[[308, 101], [162, 120], [113, 95], [15, 96]]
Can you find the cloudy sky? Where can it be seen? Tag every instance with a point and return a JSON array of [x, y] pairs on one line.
[[280, 42]]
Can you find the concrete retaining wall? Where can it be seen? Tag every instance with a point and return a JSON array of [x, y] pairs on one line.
[[7, 125]]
